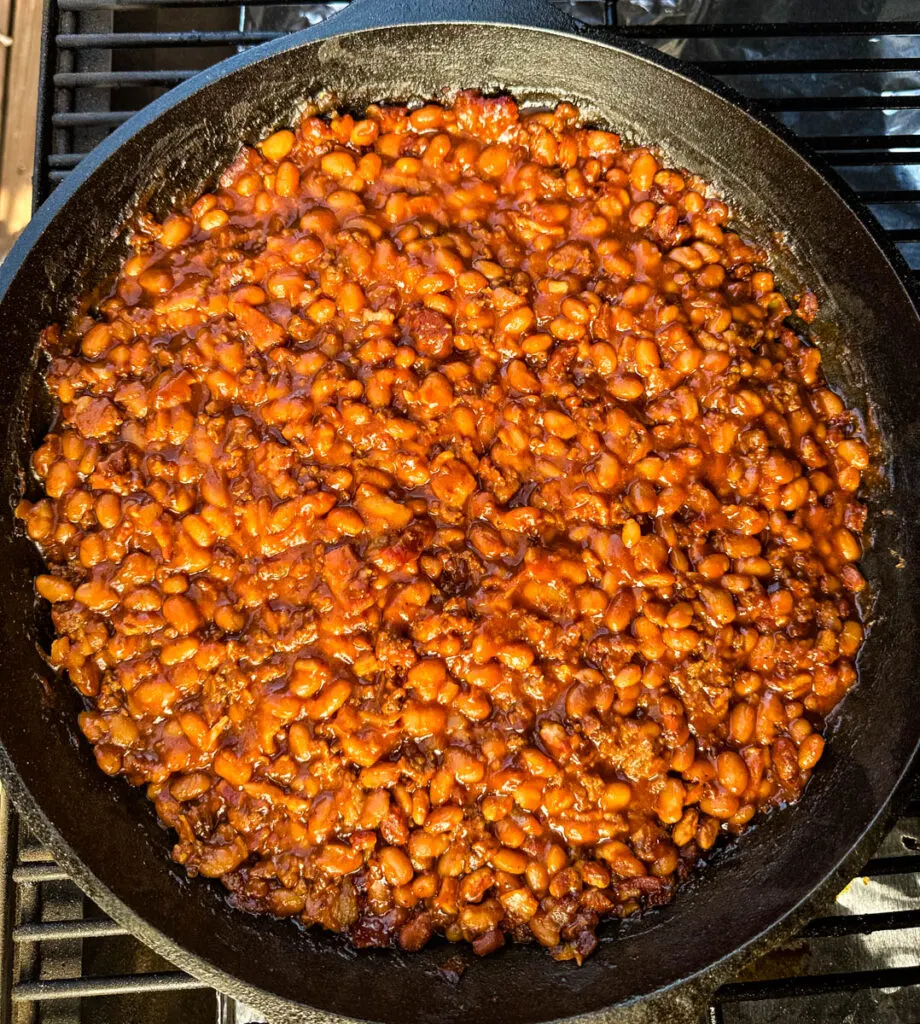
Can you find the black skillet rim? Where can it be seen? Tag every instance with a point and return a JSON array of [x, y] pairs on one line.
[[705, 979]]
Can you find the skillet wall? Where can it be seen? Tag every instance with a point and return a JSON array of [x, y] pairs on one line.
[[869, 330]]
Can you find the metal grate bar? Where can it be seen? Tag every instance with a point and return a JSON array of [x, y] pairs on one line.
[[35, 855], [786, 66], [897, 195], [863, 141], [118, 40], [610, 13], [82, 988], [904, 235], [858, 159], [821, 103], [48, 872], [46, 931], [242, 38], [105, 118], [117, 79], [66, 160], [883, 866], [770, 30], [860, 924], [141, 5], [817, 984], [8, 842]]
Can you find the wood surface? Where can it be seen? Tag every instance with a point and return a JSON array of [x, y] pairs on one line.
[[21, 20]]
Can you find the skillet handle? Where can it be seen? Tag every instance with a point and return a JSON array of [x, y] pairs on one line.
[[367, 14]]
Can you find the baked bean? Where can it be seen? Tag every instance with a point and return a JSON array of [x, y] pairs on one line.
[[419, 720], [741, 723], [97, 596], [670, 805], [338, 164], [846, 545], [181, 613], [278, 145], [287, 179], [718, 803], [175, 231], [482, 542], [810, 751], [54, 589], [643, 171], [396, 866], [210, 221], [108, 510], [512, 861], [732, 772], [330, 699], [230, 767], [96, 341], [338, 859], [60, 479]]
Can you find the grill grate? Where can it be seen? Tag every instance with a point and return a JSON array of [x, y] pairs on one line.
[[852, 88]]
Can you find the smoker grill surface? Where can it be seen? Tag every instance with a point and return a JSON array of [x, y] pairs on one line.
[[850, 87]]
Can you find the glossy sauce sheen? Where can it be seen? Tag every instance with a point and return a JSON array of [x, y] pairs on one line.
[[449, 529]]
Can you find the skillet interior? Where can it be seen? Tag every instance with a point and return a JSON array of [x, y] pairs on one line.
[[869, 331]]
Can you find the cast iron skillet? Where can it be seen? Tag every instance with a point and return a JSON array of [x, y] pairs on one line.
[[105, 834]]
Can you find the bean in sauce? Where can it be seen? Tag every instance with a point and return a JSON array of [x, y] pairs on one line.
[[447, 526]]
